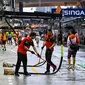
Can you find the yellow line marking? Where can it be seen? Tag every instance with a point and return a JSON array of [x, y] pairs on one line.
[[35, 70]]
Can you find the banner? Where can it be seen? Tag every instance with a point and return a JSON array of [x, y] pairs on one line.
[[71, 12], [76, 12]]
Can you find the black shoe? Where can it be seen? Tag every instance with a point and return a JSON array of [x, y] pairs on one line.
[[54, 69], [16, 74], [47, 72], [27, 74]]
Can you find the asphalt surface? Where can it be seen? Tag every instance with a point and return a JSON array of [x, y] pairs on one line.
[[63, 77]]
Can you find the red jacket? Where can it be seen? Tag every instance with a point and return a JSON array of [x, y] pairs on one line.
[[21, 48], [49, 42]]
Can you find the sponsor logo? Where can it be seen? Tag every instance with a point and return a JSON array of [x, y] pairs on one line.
[[57, 10], [70, 12], [78, 12]]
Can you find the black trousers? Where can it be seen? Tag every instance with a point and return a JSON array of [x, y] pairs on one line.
[[21, 58], [48, 56]]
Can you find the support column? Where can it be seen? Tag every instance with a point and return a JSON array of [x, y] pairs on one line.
[[13, 5], [20, 6]]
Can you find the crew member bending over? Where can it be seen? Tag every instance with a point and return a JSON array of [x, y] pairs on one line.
[[22, 52]]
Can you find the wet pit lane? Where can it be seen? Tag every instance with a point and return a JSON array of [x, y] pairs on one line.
[[63, 77]]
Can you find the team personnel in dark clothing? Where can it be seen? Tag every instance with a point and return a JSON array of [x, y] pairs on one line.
[[22, 52], [49, 43]]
